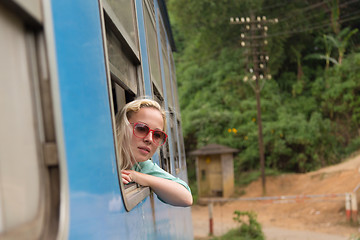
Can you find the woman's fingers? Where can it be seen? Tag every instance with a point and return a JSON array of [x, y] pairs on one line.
[[125, 176]]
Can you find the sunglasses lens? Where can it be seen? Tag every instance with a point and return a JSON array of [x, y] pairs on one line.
[[159, 137], [141, 130]]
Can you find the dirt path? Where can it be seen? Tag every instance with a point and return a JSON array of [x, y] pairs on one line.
[[275, 233], [311, 218]]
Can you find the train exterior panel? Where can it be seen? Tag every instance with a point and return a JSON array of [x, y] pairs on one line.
[[91, 58]]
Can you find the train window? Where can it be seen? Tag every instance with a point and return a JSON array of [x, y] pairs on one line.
[[164, 150], [132, 193], [164, 51], [122, 69], [124, 19], [174, 142], [165, 162], [124, 84], [153, 51], [29, 172], [182, 146], [174, 86]]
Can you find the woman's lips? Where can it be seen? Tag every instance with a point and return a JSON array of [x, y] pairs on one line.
[[144, 150]]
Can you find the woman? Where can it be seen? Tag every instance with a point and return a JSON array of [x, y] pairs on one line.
[[140, 131]]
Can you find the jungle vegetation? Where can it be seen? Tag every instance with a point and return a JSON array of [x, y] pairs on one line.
[[311, 105]]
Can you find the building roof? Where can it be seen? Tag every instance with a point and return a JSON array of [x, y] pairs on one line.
[[213, 149]]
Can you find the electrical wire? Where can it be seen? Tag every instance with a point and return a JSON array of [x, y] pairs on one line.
[[345, 18], [300, 11], [294, 23], [319, 26]]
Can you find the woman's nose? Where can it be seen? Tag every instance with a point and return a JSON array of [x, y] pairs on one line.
[[148, 138]]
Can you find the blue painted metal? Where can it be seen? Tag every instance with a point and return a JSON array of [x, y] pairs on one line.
[[85, 107], [96, 207]]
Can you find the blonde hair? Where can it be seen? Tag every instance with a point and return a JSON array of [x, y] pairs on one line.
[[124, 129]]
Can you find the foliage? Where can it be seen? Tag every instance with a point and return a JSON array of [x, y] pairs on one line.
[[354, 237], [310, 114], [244, 178], [249, 228]]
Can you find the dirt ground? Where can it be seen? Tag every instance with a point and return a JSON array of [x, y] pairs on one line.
[[324, 216]]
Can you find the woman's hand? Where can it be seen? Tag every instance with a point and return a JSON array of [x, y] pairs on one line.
[[125, 176]]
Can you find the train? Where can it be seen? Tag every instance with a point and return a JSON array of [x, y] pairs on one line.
[[67, 67]]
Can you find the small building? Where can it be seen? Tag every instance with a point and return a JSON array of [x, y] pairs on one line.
[[215, 170]]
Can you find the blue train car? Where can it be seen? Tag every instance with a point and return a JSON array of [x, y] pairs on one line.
[[67, 67]]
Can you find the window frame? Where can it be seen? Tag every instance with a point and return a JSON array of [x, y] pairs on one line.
[[154, 66]]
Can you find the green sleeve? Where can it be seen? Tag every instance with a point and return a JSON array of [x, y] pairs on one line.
[[148, 167]]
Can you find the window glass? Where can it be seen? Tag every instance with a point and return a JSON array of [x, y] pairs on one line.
[[164, 51], [182, 147], [126, 18], [165, 157], [19, 157], [174, 86], [121, 67], [174, 142]]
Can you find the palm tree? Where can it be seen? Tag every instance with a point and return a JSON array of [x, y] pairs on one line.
[[341, 41]]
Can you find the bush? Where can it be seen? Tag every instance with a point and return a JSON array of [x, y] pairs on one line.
[[249, 228]]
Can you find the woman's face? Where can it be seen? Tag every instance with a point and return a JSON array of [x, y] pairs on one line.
[[144, 148]]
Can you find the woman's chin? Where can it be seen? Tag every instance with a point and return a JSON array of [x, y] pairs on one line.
[[141, 159]]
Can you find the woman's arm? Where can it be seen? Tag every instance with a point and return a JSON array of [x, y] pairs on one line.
[[169, 191]]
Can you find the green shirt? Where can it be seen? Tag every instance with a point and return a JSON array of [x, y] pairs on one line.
[[148, 167]]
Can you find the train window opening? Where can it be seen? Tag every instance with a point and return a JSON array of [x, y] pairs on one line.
[[132, 193], [165, 60], [125, 71], [174, 142], [165, 160], [29, 168], [182, 146], [174, 85], [152, 45], [157, 96], [165, 157]]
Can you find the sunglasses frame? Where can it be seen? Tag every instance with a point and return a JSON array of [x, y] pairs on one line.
[[150, 130]]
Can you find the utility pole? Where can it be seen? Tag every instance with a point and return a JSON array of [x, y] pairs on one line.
[[254, 39]]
